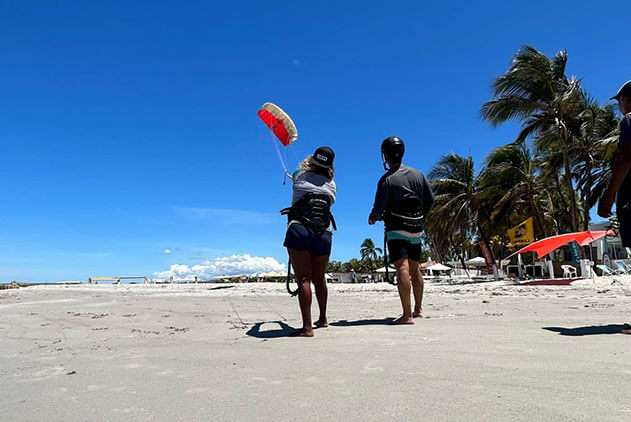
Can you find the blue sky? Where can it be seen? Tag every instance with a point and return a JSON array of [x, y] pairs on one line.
[[128, 128]]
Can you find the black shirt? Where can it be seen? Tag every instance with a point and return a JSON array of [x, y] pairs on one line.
[[624, 194], [399, 183]]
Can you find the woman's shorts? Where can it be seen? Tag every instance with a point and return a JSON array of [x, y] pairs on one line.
[[398, 248], [302, 238]]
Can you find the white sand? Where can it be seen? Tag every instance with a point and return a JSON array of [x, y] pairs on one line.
[[489, 351]]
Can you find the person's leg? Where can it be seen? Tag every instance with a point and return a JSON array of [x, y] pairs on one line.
[[623, 211], [301, 261], [403, 285], [318, 269], [417, 287], [397, 251]]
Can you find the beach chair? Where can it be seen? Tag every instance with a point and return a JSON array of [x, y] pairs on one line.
[[568, 271], [605, 269], [623, 267]]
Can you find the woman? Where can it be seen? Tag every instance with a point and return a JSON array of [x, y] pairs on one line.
[[308, 238]]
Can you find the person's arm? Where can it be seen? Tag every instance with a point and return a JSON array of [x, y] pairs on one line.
[[381, 201], [620, 170]]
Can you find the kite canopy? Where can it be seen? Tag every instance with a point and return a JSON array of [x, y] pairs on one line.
[[547, 245], [279, 122]]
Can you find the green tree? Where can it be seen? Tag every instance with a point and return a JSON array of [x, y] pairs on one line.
[[536, 92], [352, 264], [334, 267], [510, 180], [457, 212], [369, 253], [593, 152]]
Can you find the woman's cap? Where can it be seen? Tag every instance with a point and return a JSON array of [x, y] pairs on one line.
[[323, 157], [624, 91]]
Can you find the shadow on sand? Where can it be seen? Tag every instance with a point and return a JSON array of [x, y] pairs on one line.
[[220, 287], [590, 330], [361, 322], [284, 330]]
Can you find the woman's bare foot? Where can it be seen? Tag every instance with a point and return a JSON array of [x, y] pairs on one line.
[[303, 332], [418, 313], [321, 323], [403, 320]]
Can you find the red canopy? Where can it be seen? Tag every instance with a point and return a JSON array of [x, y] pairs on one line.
[[547, 245]]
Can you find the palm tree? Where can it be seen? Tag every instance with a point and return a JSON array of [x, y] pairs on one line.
[[536, 92], [593, 152], [457, 207], [510, 180], [369, 253]]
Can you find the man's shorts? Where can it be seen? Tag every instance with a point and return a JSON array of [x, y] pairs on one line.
[[302, 238], [398, 249]]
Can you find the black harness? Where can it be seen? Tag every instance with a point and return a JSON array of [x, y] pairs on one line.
[[312, 210], [406, 215]]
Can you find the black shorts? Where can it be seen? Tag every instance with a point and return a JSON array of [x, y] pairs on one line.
[[398, 248], [302, 238]]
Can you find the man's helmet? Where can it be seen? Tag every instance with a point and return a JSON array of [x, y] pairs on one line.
[[392, 149]]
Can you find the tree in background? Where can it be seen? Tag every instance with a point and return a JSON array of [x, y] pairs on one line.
[[369, 253], [536, 92]]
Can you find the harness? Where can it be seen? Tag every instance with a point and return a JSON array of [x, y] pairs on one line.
[[312, 210], [406, 215]]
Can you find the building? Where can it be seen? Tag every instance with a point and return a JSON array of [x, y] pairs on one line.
[[612, 246]]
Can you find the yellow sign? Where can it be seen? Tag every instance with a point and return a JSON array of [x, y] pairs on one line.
[[523, 234]]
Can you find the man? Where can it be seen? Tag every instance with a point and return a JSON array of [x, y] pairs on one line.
[[403, 198], [620, 182]]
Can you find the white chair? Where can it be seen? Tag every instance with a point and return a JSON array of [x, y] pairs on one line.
[[568, 271]]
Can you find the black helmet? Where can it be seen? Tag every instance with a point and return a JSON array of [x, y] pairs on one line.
[[393, 149]]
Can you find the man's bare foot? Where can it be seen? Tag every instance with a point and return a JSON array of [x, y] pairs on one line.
[[626, 331], [418, 314], [303, 332], [321, 323], [403, 320]]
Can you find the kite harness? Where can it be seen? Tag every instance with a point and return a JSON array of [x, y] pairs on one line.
[[406, 215], [313, 211]]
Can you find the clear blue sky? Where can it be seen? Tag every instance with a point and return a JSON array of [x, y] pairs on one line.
[[128, 128]]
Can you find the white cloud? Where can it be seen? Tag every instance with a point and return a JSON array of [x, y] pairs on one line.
[[230, 265], [167, 251]]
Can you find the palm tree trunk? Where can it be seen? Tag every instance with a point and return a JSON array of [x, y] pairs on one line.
[[460, 257], [564, 204], [538, 222], [562, 133], [588, 170]]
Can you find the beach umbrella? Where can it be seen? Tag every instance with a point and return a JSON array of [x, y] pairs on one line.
[[544, 246], [439, 267], [478, 261]]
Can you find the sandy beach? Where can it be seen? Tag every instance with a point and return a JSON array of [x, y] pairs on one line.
[[485, 351]]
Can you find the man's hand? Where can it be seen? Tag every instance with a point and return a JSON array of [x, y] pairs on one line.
[[371, 221], [605, 204]]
